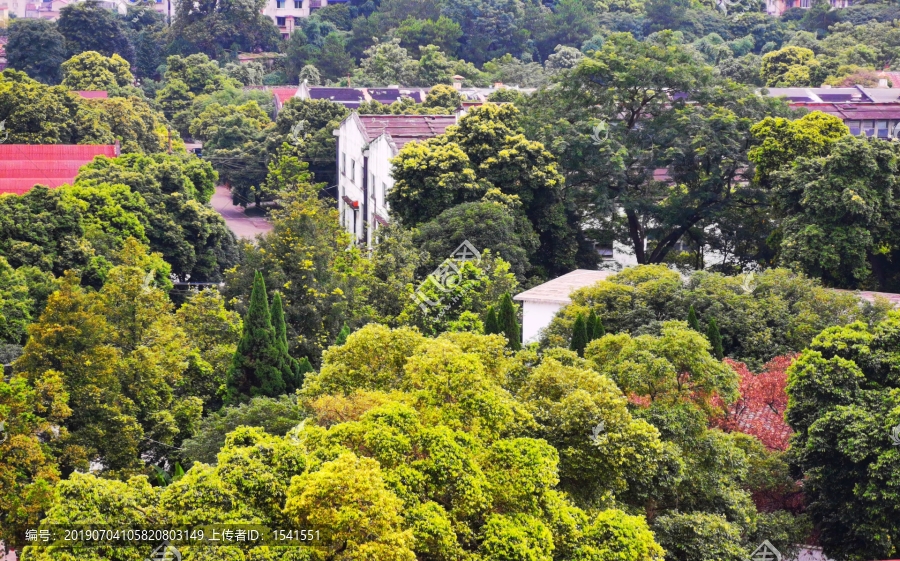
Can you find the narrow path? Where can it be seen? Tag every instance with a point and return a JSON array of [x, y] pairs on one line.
[[243, 226]]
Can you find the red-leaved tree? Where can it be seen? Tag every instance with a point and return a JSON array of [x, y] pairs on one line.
[[760, 409]]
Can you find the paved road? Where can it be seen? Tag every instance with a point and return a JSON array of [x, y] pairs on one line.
[[243, 226]]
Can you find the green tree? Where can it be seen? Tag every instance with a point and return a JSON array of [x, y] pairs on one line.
[[715, 339], [213, 28], [837, 212], [434, 68], [92, 71], [387, 63], [509, 323], [321, 291], [28, 414], [443, 33], [491, 326], [790, 67], [580, 337], [699, 536], [295, 380], [215, 333], [780, 142], [443, 96], [15, 304], [37, 114], [192, 236], [310, 75], [88, 26], [619, 130], [258, 367], [594, 327], [342, 335], [692, 320], [330, 497], [486, 225], [333, 60], [490, 28], [275, 415], [37, 48], [657, 368], [843, 405], [486, 154]]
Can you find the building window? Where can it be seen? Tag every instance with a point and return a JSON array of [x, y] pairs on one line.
[[804, 3], [372, 187], [280, 22], [868, 127], [343, 163], [352, 169], [605, 249], [881, 129], [298, 4], [280, 3], [384, 191], [854, 127]]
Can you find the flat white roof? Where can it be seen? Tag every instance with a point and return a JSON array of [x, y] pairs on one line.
[[557, 291]]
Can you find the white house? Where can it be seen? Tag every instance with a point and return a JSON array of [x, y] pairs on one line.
[[541, 303], [366, 144], [286, 13]]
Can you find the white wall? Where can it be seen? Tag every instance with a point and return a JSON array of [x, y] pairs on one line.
[[350, 147], [535, 317], [380, 180]]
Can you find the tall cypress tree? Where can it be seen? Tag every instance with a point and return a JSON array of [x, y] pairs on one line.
[[508, 324], [290, 368], [693, 322], [715, 339], [579, 336], [490, 322], [599, 328], [256, 368], [595, 328]]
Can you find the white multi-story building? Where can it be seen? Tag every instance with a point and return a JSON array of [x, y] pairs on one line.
[[366, 144], [285, 13]]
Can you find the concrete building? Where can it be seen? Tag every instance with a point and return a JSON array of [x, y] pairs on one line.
[[366, 144], [286, 13], [873, 111], [778, 7], [541, 303]]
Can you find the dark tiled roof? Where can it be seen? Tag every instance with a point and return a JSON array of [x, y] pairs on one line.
[[406, 128], [390, 95], [22, 166], [340, 95]]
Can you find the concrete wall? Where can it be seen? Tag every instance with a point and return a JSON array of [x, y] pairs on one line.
[[380, 180], [350, 177], [535, 317]]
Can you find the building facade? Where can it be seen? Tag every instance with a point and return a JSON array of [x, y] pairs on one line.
[[366, 144], [287, 13], [873, 111], [778, 7]]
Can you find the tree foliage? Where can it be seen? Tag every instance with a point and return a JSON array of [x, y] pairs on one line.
[[842, 403]]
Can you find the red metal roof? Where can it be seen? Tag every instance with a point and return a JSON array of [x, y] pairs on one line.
[[405, 128], [282, 95], [855, 111], [22, 166]]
